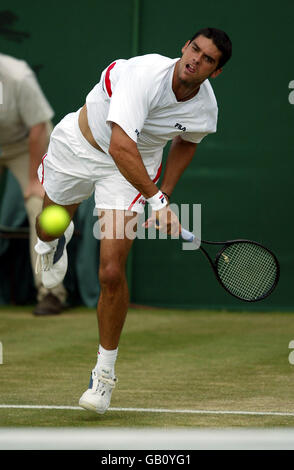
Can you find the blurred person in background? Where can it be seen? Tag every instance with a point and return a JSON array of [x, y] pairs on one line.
[[25, 127]]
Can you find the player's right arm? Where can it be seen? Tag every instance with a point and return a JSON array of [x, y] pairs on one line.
[[127, 158]]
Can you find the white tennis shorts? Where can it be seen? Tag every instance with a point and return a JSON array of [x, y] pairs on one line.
[[73, 169]]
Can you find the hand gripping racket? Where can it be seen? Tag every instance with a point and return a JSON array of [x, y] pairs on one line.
[[244, 268]]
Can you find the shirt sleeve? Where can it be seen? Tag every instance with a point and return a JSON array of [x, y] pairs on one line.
[[130, 100], [195, 137], [210, 127], [32, 103]]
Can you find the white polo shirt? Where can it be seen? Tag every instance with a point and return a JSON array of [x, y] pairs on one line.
[[137, 95]]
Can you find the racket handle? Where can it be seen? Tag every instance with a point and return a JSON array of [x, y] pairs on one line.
[[187, 236]]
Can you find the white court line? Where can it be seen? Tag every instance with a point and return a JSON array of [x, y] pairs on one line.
[[156, 410]]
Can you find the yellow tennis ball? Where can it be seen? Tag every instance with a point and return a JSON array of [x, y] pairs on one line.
[[54, 220]]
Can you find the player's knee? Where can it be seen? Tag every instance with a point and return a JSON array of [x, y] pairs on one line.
[[111, 275]]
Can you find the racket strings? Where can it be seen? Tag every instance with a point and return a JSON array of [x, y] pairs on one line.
[[247, 270]]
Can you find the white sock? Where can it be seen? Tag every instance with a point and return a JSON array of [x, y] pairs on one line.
[[106, 359]]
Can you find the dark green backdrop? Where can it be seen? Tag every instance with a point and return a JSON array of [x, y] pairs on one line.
[[242, 175]]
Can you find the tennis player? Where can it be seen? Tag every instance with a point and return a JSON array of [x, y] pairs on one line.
[[113, 147]]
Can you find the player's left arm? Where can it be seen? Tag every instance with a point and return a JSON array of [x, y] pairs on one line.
[[180, 156]]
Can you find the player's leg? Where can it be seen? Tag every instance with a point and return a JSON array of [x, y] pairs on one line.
[[49, 301], [114, 297], [112, 305], [52, 252], [68, 191], [71, 209], [67, 182]]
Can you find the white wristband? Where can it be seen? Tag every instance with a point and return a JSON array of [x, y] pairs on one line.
[[158, 201]]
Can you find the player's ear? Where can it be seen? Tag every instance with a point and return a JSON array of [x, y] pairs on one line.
[[185, 46], [216, 73]]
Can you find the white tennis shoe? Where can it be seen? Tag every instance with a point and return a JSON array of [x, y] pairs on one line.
[[97, 397], [52, 259]]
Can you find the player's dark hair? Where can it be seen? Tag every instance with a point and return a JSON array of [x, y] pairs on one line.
[[221, 41]]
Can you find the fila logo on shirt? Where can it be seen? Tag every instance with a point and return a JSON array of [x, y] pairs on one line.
[[179, 126]]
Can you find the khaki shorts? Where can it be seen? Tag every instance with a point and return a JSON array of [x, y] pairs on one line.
[[72, 170]]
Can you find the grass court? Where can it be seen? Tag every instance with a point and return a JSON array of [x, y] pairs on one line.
[[217, 362]]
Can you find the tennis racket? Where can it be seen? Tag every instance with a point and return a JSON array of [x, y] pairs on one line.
[[244, 268]]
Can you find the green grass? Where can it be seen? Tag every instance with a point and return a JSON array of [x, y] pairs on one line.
[[201, 360]]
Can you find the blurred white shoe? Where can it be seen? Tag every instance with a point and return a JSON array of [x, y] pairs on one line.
[[52, 258]]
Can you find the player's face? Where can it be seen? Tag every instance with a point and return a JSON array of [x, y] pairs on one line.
[[199, 61]]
